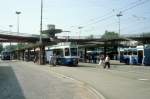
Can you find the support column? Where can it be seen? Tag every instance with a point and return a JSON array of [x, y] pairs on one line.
[[42, 55], [18, 57], [23, 54], [34, 53], [85, 54], [105, 48], [28, 55]]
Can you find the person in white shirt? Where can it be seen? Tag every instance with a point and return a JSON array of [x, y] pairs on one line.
[[107, 62], [102, 58]]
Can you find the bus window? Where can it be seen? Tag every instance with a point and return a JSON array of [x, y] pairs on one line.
[[73, 51], [66, 51]]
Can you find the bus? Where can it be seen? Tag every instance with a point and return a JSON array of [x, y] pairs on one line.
[[66, 53]]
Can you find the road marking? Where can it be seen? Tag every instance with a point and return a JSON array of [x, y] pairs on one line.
[[143, 79], [90, 88]]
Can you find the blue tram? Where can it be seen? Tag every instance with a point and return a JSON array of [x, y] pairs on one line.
[[5, 55], [137, 55], [65, 52]]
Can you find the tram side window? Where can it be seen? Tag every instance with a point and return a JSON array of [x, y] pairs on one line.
[[125, 53], [58, 52], [134, 52], [66, 51], [73, 51], [130, 52]]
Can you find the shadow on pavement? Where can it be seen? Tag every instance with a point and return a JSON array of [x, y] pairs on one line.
[[9, 85], [86, 66]]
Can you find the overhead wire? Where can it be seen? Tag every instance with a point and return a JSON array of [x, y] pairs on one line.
[[134, 4], [123, 10], [95, 19]]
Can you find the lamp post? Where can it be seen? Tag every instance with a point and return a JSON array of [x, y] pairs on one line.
[[80, 27], [10, 26], [119, 15], [10, 48], [18, 13], [41, 22], [18, 24], [41, 60]]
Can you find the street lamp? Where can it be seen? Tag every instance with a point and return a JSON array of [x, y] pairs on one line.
[[17, 12], [80, 27], [10, 26], [41, 60], [10, 48], [119, 15], [41, 23]]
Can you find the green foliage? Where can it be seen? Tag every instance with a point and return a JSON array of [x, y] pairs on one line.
[[110, 35], [146, 34], [11, 48], [90, 37], [22, 45], [15, 47]]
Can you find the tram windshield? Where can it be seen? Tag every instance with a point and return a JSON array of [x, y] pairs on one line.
[[73, 51], [67, 52]]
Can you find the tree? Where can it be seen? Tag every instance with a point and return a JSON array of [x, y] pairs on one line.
[[15, 47], [90, 37], [110, 35], [146, 34], [11, 48]]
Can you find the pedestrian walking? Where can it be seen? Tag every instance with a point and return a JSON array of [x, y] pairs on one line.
[[50, 59], [107, 62], [101, 61], [53, 59]]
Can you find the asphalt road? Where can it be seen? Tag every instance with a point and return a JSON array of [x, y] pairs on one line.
[[22, 80], [129, 82]]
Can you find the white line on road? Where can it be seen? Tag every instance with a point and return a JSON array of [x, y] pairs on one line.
[[143, 79], [91, 89]]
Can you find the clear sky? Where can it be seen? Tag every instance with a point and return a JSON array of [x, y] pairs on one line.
[[95, 16]]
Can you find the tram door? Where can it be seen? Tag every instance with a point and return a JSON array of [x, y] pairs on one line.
[[140, 56]]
